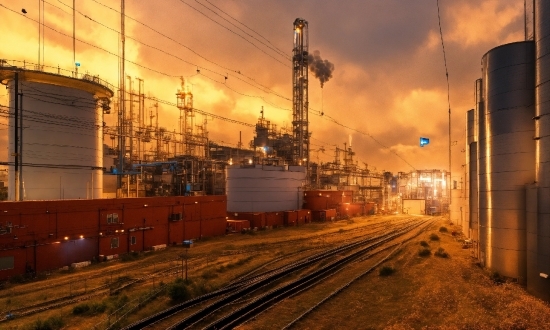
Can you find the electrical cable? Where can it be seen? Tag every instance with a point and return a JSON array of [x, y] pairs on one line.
[[198, 110], [448, 90]]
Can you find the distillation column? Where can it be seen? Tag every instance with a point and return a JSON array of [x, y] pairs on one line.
[[300, 103]]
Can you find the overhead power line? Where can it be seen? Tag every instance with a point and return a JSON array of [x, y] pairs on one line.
[[255, 84]]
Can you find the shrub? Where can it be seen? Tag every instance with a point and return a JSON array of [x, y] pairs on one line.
[[132, 256], [178, 290], [434, 237], [17, 279], [424, 252], [496, 278], [51, 323], [209, 274], [443, 229], [81, 309], [441, 253], [424, 244], [386, 271]]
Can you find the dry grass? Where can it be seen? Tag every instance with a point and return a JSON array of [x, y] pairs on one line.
[[423, 292], [431, 293]]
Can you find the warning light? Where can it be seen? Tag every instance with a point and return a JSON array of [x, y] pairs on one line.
[[424, 141]]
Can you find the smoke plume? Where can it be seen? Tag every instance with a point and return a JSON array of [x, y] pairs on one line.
[[322, 69]]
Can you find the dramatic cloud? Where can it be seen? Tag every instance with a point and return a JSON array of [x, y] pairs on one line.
[[388, 90]]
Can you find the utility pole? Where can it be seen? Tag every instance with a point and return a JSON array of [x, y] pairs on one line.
[[121, 105], [16, 135]]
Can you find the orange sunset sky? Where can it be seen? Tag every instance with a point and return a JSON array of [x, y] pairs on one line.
[[388, 80]]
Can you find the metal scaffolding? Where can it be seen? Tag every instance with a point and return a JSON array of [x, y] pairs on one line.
[[300, 103]]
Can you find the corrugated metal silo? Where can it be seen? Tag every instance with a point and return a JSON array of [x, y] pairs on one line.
[[474, 199], [469, 192], [264, 188], [506, 156], [62, 139], [540, 286]]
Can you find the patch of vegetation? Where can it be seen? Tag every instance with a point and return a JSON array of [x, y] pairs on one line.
[[209, 274], [424, 244], [91, 308], [18, 279], [497, 278], [425, 252], [441, 253], [232, 265], [116, 302], [51, 323], [443, 230], [132, 256], [386, 271], [434, 237], [179, 290]]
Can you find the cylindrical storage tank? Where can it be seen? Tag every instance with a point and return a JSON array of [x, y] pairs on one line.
[[470, 138], [264, 188], [62, 138], [474, 200], [506, 156], [457, 214], [541, 286], [534, 280]]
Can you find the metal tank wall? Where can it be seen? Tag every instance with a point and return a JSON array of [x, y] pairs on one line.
[[264, 188], [474, 199], [540, 286], [469, 192], [506, 156], [457, 208], [62, 142]]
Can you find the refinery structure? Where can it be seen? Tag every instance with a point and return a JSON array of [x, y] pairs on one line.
[[136, 186]]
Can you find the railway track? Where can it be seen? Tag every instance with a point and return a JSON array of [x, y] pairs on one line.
[[235, 291]]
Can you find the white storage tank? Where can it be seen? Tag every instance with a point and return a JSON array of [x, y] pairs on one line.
[[264, 188], [62, 136]]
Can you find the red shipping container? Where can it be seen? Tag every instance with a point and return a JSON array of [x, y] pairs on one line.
[[257, 220], [44, 235], [291, 218], [303, 216], [238, 225], [330, 214], [274, 219]]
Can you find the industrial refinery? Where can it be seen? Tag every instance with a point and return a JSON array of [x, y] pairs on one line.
[[96, 173], [270, 181]]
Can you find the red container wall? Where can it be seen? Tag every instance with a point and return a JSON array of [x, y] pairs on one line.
[[303, 216], [318, 215], [325, 199], [238, 225], [45, 235], [291, 218], [257, 220], [330, 214], [274, 219]]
